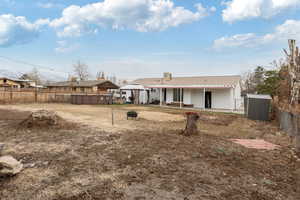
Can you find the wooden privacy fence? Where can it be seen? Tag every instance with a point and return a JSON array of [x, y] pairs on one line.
[[290, 123], [91, 99], [43, 96]]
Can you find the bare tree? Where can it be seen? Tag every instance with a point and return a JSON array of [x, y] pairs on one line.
[[293, 60], [100, 75], [81, 70], [34, 75], [293, 66]]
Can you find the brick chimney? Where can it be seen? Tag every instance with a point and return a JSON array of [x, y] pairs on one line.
[[73, 79], [167, 76]]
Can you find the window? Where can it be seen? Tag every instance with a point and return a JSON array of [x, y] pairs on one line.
[[176, 94], [5, 81]]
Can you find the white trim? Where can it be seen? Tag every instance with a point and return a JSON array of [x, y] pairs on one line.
[[204, 91], [189, 86], [160, 97], [180, 97]]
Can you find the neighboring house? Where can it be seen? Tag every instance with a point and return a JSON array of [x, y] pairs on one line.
[[17, 83], [90, 86], [29, 84], [9, 83], [210, 92]]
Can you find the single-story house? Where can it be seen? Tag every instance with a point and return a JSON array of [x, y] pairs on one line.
[[9, 83], [90, 86], [17, 83], [207, 92]]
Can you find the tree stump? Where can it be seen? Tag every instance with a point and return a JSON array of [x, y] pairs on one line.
[[297, 144], [42, 118], [191, 124]]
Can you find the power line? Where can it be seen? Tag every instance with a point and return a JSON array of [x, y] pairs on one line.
[[29, 64]]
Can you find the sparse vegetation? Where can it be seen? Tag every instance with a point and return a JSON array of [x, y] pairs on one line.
[[144, 158]]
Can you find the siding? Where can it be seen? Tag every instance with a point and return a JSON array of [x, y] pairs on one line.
[[222, 98], [169, 95], [197, 98], [187, 96]]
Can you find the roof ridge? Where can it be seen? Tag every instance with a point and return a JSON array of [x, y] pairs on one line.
[[192, 77]]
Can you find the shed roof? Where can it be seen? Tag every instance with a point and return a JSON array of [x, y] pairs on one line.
[[133, 87], [259, 96], [89, 83], [195, 81]]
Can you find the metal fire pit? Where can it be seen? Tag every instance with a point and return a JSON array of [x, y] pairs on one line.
[[132, 114]]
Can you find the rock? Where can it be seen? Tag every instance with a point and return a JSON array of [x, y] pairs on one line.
[[9, 166], [278, 133], [29, 165]]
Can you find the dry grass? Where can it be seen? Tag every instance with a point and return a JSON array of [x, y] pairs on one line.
[[144, 158]]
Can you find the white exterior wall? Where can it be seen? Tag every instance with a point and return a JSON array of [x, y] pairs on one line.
[[197, 98], [154, 94], [169, 98], [237, 96], [187, 96], [222, 98]]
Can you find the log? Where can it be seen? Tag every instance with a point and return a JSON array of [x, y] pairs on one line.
[[191, 124]]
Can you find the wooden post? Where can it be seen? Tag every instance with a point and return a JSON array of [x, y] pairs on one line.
[[160, 97], [180, 97], [11, 94], [35, 95], [112, 116], [204, 90]]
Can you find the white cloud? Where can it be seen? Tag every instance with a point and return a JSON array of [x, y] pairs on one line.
[[245, 40], [290, 29], [17, 30], [139, 15], [65, 47], [49, 5], [246, 9]]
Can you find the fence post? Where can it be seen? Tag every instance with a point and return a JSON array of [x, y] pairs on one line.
[[36, 95], [112, 116], [11, 94]]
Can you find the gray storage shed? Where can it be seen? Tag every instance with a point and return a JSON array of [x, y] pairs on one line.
[[257, 107]]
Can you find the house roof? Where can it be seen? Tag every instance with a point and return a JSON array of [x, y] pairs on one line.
[[11, 79], [16, 80], [196, 81], [89, 83]]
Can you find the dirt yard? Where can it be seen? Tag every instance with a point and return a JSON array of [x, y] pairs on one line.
[[145, 158]]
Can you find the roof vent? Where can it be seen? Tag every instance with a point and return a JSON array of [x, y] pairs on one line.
[[167, 76]]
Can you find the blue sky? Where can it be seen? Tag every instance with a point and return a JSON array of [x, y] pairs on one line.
[[144, 38]]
